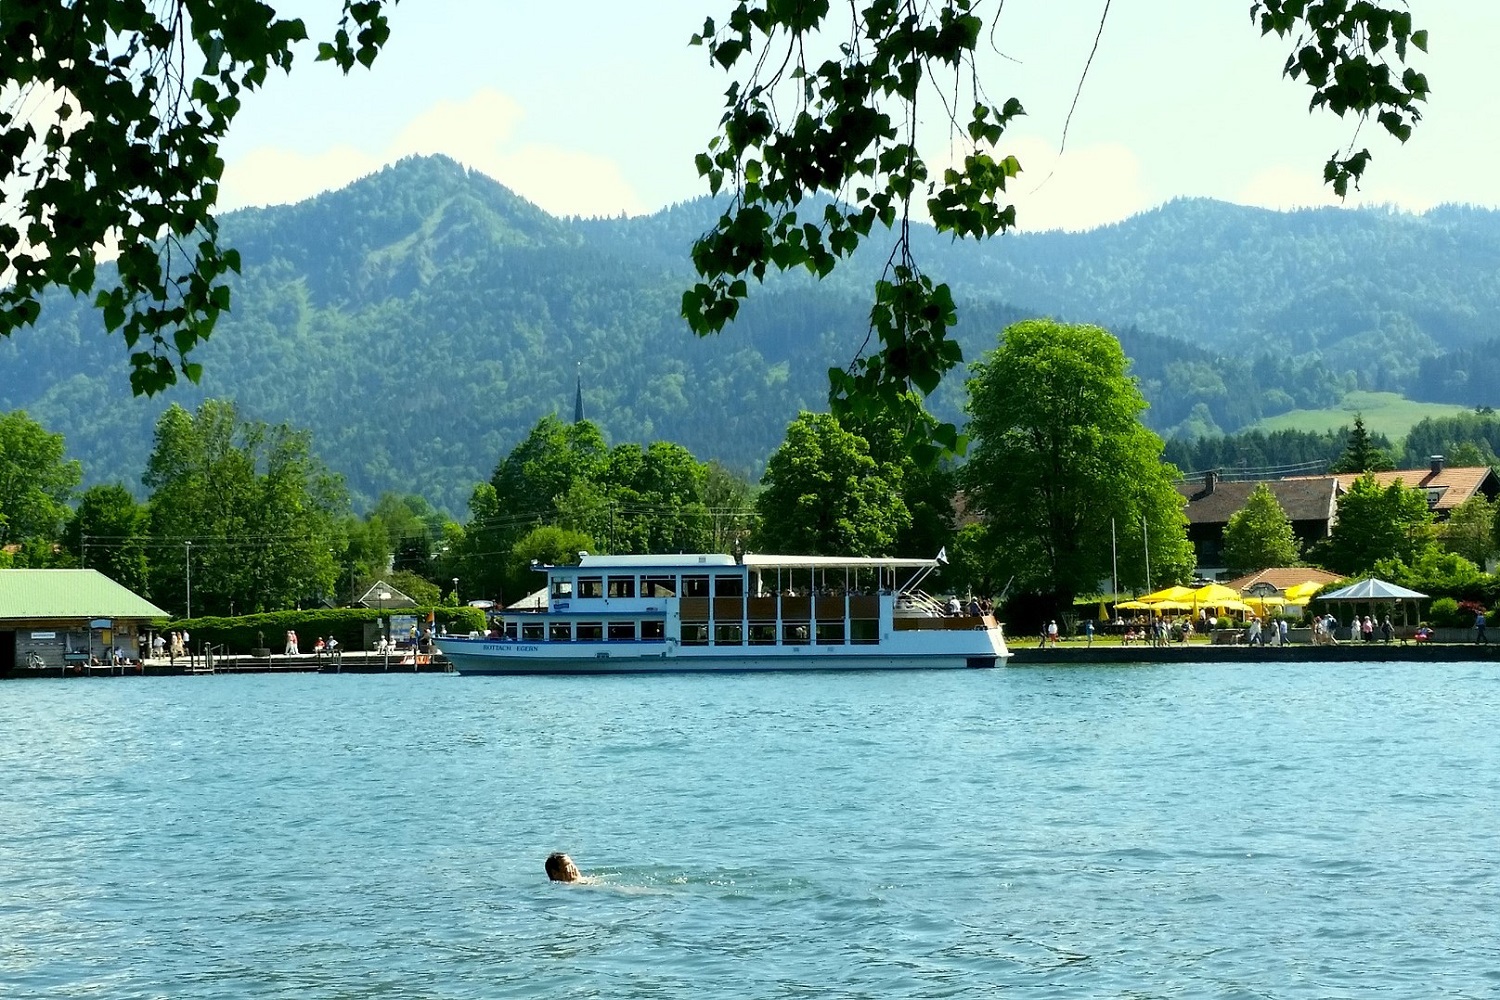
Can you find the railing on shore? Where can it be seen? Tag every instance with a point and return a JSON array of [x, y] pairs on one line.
[[213, 660]]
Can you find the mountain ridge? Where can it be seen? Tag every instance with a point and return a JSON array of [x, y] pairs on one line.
[[421, 319]]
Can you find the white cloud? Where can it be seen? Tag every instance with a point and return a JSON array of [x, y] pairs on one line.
[[1284, 188], [1084, 188], [479, 132]]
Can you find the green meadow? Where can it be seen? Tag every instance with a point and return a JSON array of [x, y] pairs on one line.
[[1385, 413]]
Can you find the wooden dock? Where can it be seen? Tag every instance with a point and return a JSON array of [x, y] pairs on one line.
[[358, 662]]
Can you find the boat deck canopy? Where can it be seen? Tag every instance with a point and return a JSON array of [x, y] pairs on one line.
[[758, 561], [751, 560]]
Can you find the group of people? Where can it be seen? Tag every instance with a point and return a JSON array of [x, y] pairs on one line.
[[1325, 629], [975, 608], [172, 645], [1157, 632], [330, 645]]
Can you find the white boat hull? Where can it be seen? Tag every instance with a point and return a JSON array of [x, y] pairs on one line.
[[488, 656]]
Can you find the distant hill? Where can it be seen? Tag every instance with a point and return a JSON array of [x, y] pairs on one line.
[[1383, 413], [421, 319]]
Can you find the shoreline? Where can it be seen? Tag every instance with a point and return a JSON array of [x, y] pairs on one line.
[[358, 662], [1348, 652], [1071, 654]]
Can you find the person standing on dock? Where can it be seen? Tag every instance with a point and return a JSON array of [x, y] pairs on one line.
[[291, 643], [1479, 628]]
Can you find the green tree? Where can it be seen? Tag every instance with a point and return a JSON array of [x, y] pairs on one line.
[[482, 558], [133, 153], [36, 481], [417, 587], [1059, 452], [824, 495], [730, 501], [531, 480], [413, 530], [1374, 523], [258, 520], [927, 488], [1470, 530], [1361, 455], [547, 545], [1259, 536], [108, 531], [367, 553], [655, 500], [1432, 572]]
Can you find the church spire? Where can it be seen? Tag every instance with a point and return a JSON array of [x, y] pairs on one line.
[[578, 398]]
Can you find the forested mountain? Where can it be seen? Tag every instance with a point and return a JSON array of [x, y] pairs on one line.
[[420, 320]]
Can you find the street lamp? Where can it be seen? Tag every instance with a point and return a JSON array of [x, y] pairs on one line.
[[455, 590]]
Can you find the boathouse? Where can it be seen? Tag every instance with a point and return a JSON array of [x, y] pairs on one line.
[[57, 618]]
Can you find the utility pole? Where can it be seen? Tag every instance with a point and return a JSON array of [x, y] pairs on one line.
[[1146, 541], [187, 560], [1114, 562]]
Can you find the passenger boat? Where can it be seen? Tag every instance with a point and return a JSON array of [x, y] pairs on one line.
[[614, 614]]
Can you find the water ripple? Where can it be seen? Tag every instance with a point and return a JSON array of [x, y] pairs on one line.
[[1280, 831]]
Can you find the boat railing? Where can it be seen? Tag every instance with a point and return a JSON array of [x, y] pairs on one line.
[[921, 602]]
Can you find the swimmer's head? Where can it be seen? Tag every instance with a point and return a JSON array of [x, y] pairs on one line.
[[560, 868]]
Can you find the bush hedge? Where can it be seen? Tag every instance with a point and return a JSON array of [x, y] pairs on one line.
[[244, 633]]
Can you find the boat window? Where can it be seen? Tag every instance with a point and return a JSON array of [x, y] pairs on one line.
[[560, 632], [727, 635], [763, 634], [621, 631], [864, 631], [794, 634], [653, 629], [830, 633], [591, 586], [658, 586], [589, 631], [533, 631], [695, 633], [621, 586], [512, 630], [729, 586], [695, 586], [562, 587]]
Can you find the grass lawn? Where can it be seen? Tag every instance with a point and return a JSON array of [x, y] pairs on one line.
[[1384, 413]]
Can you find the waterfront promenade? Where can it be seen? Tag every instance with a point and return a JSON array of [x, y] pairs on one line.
[[357, 662], [1076, 651], [1071, 652]]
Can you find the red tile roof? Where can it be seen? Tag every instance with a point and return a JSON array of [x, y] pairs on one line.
[[1283, 577], [1456, 485]]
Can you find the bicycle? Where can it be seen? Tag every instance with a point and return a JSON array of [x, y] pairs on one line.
[[34, 661]]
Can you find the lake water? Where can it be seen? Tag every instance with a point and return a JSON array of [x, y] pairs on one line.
[[1184, 831]]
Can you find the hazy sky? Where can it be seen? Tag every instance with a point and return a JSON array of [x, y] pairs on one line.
[[598, 107]]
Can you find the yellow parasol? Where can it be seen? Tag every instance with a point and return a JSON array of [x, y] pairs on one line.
[[1169, 594], [1300, 593], [1215, 595]]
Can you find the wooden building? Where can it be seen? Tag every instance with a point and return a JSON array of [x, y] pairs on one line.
[[61, 618]]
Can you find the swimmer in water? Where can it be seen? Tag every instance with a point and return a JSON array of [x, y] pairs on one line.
[[560, 868]]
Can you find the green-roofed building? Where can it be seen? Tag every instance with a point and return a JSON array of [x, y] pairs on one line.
[[68, 617]]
